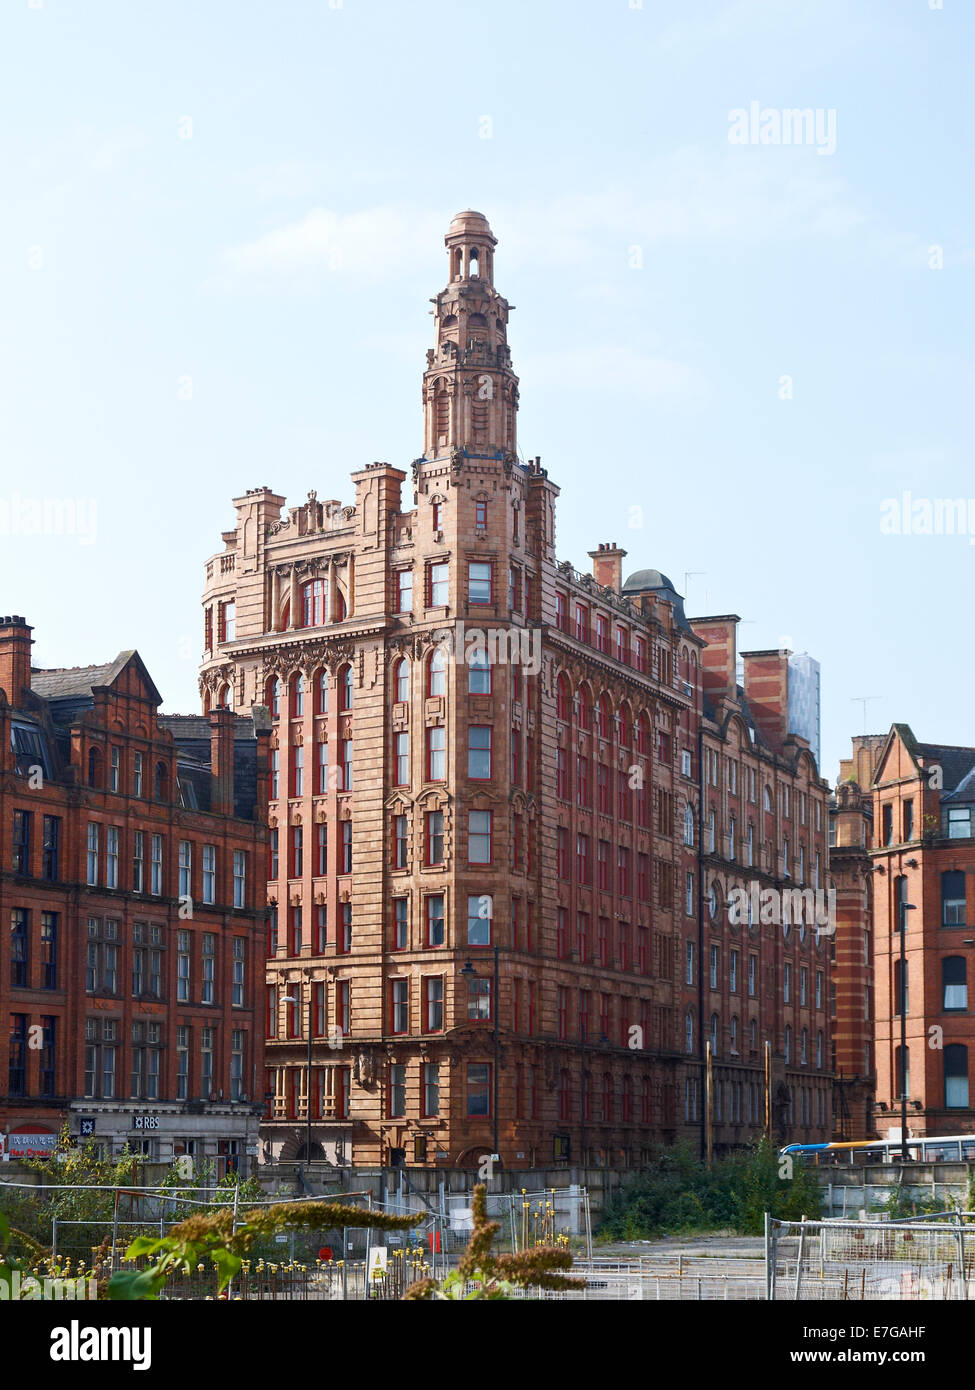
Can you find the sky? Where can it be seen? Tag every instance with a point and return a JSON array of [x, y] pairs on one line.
[[222, 223]]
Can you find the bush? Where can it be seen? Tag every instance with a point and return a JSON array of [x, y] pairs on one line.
[[678, 1194]]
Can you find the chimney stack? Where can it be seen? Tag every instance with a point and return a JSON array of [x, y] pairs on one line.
[[767, 693], [607, 565], [719, 661], [222, 725], [15, 645]]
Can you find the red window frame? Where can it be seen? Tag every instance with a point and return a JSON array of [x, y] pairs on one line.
[[438, 585], [345, 867], [561, 933], [437, 669], [480, 513], [580, 626], [602, 865], [482, 1087], [345, 752], [515, 757], [583, 789], [321, 762], [563, 698], [582, 858], [429, 981], [561, 612], [404, 591], [322, 848], [401, 924], [298, 769], [428, 918], [642, 949], [623, 645], [561, 775], [472, 749], [563, 1012], [401, 759], [623, 882], [562, 852], [432, 836], [602, 633], [313, 603], [437, 516], [400, 842], [346, 684], [343, 1001], [296, 850], [582, 936], [439, 733], [481, 863], [602, 930], [399, 1006], [483, 565]]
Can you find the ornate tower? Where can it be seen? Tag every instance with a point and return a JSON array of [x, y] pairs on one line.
[[470, 393]]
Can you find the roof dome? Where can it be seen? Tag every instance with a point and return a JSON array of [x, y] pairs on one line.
[[647, 579], [470, 223]]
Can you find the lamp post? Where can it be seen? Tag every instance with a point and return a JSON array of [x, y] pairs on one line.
[[469, 973], [903, 909], [296, 999]]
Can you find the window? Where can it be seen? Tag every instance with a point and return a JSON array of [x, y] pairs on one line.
[[49, 950], [439, 585], [436, 754], [954, 983], [959, 823], [479, 913], [733, 972], [787, 1047], [479, 672], [953, 898], [689, 975], [397, 1090], [436, 511], [93, 854], [239, 961], [908, 811], [345, 863], [17, 1072], [401, 682], [480, 513], [689, 1032], [275, 773], [272, 854], [49, 848], [478, 837], [19, 947], [209, 873], [688, 826], [956, 1076], [138, 860], [581, 623], [240, 878], [479, 583], [400, 846], [433, 1003], [437, 682], [404, 591], [562, 852], [753, 978], [478, 1089], [346, 688], [478, 752], [185, 860], [786, 983], [401, 759], [400, 924], [183, 966], [478, 999], [183, 1062], [431, 1089], [582, 859], [208, 958], [435, 919], [399, 1005], [321, 928], [156, 866], [887, 822], [713, 968], [345, 758], [322, 837]]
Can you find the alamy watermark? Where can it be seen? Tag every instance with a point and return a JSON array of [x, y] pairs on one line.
[[805, 907], [494, 646], [49, 516], [791, 125], [908, 515]]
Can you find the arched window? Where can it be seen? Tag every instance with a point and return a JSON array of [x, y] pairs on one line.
[[624, 727], [162, 782], [298, 696], [274, 696], [954, 983], [767, 800], [956, 1076], [479, 672], [321, 692], [223, 698], [643, 736], [314, 603], [438, 672], [402, 681], [94, 767], [562, 697], [345, 688], [689, 1031], [583, 708], [603, 716], [688, 826], [713, 1029]]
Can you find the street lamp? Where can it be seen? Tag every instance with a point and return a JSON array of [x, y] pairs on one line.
[[296, 999], [903, 909], [469, 973]]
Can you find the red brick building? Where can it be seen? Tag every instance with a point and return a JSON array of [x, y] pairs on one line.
[[484, 764], [923, 812], [133, 891]]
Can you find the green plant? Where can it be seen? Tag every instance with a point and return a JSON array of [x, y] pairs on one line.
[[213, 1237], [496, 1276]]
